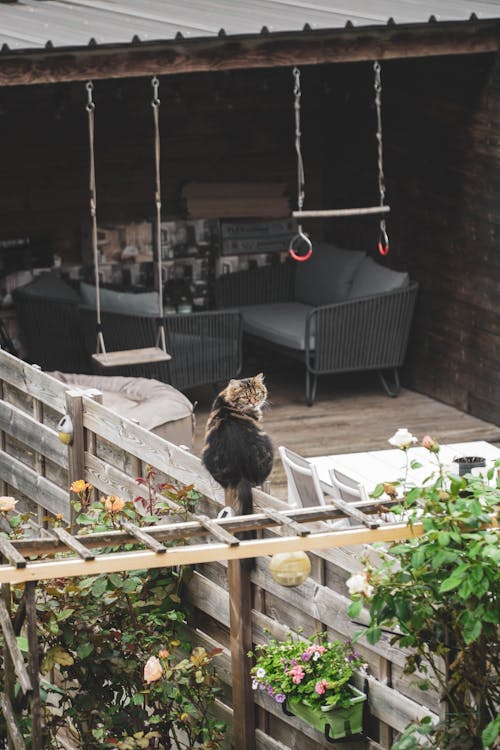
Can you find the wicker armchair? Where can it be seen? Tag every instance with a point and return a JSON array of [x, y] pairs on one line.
[[368, 332]]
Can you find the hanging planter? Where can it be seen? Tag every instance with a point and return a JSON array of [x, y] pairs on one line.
[[310, 678], [334, 722]]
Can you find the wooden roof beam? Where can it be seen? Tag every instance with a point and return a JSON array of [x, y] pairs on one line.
[[232, 53]]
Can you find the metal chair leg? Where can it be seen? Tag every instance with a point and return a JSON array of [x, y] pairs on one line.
[[393, 390], [311, 383]]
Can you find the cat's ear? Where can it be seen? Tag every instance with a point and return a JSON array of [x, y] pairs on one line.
[[260, 377]]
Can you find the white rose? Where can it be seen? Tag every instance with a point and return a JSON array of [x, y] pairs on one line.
[[402, 438], [358, 584]]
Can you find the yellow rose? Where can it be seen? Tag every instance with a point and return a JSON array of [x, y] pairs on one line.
[[114, 504], [7, 503], [152, 670], [80, 486]]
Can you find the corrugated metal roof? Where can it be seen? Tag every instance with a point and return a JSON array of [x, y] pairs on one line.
[[32, 24]]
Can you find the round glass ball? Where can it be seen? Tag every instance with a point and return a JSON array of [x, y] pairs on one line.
[[290, 568]]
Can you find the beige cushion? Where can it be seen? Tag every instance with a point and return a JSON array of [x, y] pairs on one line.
[[156, 406]]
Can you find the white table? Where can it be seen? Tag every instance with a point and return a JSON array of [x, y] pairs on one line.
[[373, 467]]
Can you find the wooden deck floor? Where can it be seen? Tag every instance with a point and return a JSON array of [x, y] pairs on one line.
[[351, 414]]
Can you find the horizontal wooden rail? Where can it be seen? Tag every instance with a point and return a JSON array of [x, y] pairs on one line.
[[199, 553], [33, 381]]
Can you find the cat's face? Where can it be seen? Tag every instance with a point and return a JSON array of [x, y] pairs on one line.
[[248, 393]]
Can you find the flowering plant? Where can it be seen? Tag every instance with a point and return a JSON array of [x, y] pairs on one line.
[[439, 594], [314, 670]]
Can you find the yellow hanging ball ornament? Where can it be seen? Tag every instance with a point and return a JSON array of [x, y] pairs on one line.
[[290, 568], [65, 430]]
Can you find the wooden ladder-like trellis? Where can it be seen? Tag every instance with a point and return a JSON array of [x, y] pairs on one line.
[[60, 553]]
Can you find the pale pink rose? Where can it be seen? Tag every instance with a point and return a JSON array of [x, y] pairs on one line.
[[431, 444], [7, 503], [152, 669]]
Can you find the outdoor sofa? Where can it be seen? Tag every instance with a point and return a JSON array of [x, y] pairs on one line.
[[339, 311]]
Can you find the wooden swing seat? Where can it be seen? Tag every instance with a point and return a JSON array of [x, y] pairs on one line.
[[131, 357], [340, 212]]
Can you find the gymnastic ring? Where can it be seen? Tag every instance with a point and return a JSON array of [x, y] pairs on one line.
[[383, 242], [291, 250]]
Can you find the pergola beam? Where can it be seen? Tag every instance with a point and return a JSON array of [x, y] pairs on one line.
[[203, 553], [238, 52]]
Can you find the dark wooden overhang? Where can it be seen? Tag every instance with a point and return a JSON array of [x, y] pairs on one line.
[[261, 51]]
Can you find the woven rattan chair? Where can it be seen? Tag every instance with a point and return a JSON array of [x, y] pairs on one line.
[[369, 332]]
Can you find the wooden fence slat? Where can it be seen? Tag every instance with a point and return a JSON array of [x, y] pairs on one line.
[[28, 430], [75, 450], [34, 382], [70, 541], [355, 513], [14, 735], [14, 650], [37, 488], [11, 553], [178, 463]]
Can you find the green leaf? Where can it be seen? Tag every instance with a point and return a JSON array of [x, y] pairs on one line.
[[378, 491], [490, 732], [452, 582], [373, 635], [355, 608], [138, 699], [84, 650], [22, 642], [472, 630]]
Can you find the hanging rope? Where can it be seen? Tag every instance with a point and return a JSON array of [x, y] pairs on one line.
[[383, 242], [90, 107], [300, 236], [160, 339], [158, 353]]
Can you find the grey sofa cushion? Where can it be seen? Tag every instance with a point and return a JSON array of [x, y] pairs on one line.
[[142, 303], [154, 405], [327, 276], [281, 323], [50, 287], [372, 278]]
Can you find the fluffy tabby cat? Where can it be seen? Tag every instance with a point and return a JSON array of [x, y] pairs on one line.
[[237, 453]]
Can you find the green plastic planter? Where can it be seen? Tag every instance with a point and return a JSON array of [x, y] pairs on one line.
[[335, 723]]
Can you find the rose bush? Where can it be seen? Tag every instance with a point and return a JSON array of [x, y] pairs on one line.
[[440, 594]]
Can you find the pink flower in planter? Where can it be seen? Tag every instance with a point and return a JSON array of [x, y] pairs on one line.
[[321, 686], [297, 674]]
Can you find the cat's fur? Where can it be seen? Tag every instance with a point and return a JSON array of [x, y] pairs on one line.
[[237, 452]]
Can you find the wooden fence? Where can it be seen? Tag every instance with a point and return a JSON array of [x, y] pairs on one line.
[[110, 452]]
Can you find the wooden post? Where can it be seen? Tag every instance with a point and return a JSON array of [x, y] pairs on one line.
[[240, 610], [36, 717], [9, 678], [76, 451]]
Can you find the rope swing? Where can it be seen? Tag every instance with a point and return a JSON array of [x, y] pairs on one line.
[[157, 353], [301, 239]]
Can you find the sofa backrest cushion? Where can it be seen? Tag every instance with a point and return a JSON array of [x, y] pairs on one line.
[[142, 303], [327, 276], [50, 287], [372, 278]]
